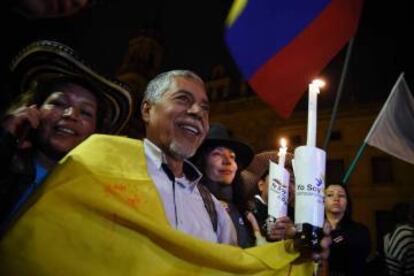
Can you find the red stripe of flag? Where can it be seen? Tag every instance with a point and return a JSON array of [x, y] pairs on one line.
[[282, 81]]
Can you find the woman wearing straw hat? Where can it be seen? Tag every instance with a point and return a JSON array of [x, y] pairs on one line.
[[63, 102]]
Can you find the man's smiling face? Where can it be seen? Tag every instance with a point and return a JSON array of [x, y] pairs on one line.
[[178, 121]]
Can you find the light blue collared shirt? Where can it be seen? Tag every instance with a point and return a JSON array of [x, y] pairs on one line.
[[187, 212]]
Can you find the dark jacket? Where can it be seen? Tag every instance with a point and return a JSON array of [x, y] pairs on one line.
[[259, 210], [350, 248]]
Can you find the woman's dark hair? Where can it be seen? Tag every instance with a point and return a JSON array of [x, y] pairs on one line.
[[240, 195], [200, 160], [40, 90]]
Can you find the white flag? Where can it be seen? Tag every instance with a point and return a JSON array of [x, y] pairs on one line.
[[393, 130]]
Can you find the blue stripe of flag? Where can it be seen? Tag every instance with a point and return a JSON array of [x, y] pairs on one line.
[[266, 26]]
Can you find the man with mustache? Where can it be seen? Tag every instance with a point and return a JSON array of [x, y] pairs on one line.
[[175, 110]]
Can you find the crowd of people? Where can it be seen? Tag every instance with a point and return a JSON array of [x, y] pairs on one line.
[[61, 146], [63, 102]]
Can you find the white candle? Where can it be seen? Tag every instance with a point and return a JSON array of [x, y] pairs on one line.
[[282, 152], [312, 111]]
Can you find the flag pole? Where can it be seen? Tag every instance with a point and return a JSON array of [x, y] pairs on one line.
[[354, 162], [339, 93]]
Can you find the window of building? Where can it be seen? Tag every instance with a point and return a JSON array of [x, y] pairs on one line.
[[335, 169], [382, 169]]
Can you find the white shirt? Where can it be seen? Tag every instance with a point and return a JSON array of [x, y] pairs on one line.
[[187, 211]]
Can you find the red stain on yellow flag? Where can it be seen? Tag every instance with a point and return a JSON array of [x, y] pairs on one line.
[[120, 190], [99, 213]]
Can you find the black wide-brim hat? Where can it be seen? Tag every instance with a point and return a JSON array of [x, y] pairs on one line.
[[218, 136], [51, 59]]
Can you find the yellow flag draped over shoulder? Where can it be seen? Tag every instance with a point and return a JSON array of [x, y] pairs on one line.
[[99, 213]]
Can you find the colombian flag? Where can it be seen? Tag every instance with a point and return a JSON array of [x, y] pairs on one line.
[[280, 46]]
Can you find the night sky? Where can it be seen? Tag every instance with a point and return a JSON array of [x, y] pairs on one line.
[[191, 33]]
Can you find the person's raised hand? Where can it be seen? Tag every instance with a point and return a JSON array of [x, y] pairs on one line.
[[20, 122]]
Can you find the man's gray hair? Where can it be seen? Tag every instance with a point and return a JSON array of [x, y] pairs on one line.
[[161, 83]]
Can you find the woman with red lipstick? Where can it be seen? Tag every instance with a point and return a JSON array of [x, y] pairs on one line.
[[221, 158], [351, 241], [63, 103]]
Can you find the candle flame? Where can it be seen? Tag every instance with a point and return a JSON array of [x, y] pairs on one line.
[[283, 142], [318, 82]]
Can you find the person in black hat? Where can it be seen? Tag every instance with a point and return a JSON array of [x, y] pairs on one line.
[[63, 101], [221, 158]]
